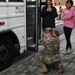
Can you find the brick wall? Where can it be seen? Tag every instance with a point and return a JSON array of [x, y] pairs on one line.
[[60, 2]]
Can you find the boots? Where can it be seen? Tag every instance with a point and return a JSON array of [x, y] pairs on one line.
[[43, 69], [61, 68]]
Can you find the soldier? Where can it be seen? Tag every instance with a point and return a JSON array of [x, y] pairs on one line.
[[50, 51]]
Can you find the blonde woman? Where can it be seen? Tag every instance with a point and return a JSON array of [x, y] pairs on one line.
[[49, 55]]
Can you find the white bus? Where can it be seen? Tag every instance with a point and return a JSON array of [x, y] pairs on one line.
[[12, 30], [20, 28], [19, 20]]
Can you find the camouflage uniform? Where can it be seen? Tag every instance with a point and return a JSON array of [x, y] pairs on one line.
[[51, 52]]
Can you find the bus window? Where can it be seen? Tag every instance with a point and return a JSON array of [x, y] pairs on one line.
[[2, 0], [31, 0], [15, 0]]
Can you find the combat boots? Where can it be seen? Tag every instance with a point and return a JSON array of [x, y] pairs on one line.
[[61, 68], [43, 69]]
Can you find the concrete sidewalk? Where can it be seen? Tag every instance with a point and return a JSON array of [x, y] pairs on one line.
[[58, 22], [30, 66]]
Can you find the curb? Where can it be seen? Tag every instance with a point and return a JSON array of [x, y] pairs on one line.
[[58, 24]]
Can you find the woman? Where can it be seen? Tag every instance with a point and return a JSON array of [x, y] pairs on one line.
[[67, 17], [50, 51], [60, 11], [48, 14]]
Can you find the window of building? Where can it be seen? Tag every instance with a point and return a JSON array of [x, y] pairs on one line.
[[55, 3], [59, 3]]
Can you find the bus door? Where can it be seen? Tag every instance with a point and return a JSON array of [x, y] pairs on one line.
[[33, 24], [42, 4]]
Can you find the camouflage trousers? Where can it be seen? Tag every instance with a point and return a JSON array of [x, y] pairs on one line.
[[47, 59]]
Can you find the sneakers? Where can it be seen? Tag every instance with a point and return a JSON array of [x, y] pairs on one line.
[[68, 52], [61, 68]]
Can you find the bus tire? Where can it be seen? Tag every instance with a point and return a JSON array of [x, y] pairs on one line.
[[6, 52]]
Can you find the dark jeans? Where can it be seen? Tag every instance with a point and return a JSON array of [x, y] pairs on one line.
[[67, 32]]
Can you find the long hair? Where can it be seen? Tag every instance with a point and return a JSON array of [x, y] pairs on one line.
[[69, 1], [50, 30], [46, 3], [47, 0]]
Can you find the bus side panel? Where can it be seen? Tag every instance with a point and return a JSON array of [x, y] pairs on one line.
[[3, 11], [3, 16], [17, 23], [20, 34]]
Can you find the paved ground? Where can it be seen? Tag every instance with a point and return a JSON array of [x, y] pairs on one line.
[[58, 22], [30, 66]]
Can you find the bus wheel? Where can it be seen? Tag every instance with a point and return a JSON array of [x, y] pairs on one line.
[[6, 52]]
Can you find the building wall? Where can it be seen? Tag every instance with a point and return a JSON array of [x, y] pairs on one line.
[[43, 0], [60, 2]]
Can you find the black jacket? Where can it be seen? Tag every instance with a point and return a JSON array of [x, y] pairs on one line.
[[48, 18]]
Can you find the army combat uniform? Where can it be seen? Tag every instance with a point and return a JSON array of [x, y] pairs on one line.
[[51, 53]]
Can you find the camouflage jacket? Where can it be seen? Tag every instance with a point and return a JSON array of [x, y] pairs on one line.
[[51, 44]]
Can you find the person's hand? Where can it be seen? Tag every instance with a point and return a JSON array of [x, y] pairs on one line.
[[49, 9]]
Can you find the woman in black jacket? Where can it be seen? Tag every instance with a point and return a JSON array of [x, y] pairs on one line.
[[48, 14]]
